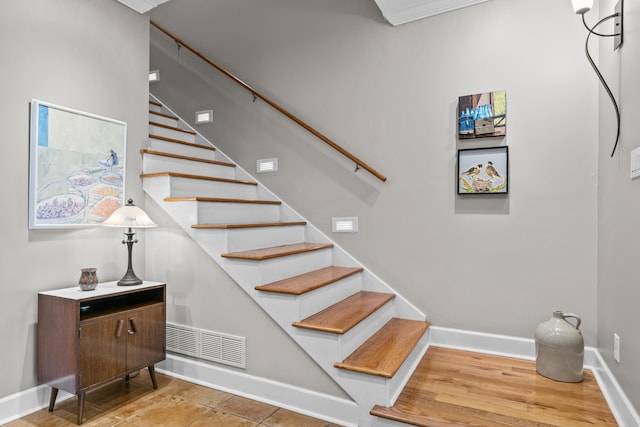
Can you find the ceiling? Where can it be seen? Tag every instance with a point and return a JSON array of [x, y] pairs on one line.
[[396, 12], [142, 6]]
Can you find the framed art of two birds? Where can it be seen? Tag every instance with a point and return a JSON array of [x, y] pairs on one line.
[[483, 170]]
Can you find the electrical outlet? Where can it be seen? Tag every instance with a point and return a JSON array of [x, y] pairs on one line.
[[635, 163], [619, 10], [616, 347]]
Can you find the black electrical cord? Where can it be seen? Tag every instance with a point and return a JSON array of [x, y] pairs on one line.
[[599, 74]]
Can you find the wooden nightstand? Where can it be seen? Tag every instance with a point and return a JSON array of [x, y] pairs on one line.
[[89, 338]]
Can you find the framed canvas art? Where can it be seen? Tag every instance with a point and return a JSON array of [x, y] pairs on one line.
[[76, 167], [482, 115], [483, 171]]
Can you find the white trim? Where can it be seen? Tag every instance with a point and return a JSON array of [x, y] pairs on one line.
[[524, 348], [25, 402], [303, 401]]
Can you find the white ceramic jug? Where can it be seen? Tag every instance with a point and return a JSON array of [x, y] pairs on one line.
[[560, 348]]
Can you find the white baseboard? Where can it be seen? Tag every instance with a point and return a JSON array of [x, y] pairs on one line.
[[308, 402], [524, 348], [25, 402]]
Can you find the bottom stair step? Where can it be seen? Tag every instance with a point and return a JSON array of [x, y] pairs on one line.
[[387, 349]]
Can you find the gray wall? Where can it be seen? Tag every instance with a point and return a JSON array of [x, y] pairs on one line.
[[619, 202], [493, 264], [91, 56]]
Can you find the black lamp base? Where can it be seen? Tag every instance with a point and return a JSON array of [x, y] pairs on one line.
[[129, 279]]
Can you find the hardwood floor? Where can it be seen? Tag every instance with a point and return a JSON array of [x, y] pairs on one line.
[[460, 388]]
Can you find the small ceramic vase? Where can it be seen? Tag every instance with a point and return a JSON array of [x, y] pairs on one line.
[[560, 348], [88, 279]]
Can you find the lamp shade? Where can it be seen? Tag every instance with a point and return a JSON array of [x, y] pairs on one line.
[[129, 215], [582, 6]]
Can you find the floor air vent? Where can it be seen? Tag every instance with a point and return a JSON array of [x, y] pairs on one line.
[[207, 345]]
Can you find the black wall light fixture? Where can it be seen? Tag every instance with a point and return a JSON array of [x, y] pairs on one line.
[[581, 7]]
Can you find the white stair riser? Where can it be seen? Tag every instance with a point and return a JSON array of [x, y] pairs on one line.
[[163, 120], [321, 346], [354, 338], [224, 213], [400, 379], [281, 268], [367, 390], [384, 422], [152, 163], [332, 347], [170, 133], [185, 187], [321, 298], [155, 108], [181, 149], [250, 273], [244, 239]]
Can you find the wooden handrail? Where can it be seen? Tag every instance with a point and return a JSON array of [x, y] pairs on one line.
[[359, 163]]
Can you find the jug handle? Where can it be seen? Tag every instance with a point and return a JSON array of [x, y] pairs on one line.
[[578, 321]]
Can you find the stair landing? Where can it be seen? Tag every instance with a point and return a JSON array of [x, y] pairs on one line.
[[462, 388]]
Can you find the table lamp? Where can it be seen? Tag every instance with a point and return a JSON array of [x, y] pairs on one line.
[[129, 216]]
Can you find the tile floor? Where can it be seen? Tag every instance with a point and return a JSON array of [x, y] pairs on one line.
[[176, 403]]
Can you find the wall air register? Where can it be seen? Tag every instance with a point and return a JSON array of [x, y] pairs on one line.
[[207, 345]]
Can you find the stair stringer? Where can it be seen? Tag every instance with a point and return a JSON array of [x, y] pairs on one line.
[[324, 348]]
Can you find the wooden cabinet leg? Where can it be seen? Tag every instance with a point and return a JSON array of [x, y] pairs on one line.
[[80, 407], [52, 400], [152, 374]]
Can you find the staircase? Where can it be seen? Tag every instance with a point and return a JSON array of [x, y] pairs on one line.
[[365, 336]]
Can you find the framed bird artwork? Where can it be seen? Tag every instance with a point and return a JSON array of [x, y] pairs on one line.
[[483, 170]]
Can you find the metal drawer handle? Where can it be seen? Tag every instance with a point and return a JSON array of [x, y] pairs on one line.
[[134, 327]]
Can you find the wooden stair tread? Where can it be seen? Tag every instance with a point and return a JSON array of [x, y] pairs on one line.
[[308, 282], [256, 225], [168, 116], [200, 177], [178, 141], [344, 315], [221, 200], [385, 352], [179, 156], [278, 251], [162, 125], [157, 104]]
